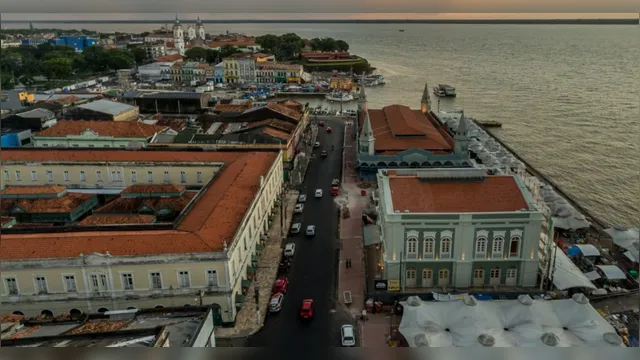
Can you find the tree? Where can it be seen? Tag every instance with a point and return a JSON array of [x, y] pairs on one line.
[[119, 61], [228, 50], [95, 57], [268, 42], [213, 56], [57, 68], [139, 55], [27, 80], [342, 45], [196, 54], [6, 81]]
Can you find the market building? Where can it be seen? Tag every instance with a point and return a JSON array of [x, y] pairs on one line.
[[105, 110]]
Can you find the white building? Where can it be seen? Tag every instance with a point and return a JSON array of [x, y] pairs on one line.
[[457, 228], [155, 71]]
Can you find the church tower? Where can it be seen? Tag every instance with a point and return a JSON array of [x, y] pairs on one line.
[[178, 36], [461, 138], [200, 29], [366, 141], [425, 103]]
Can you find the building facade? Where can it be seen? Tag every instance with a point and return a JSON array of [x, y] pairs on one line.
[[457, 228], [272, 73], [191, 71], [207, 260], [240, 69]]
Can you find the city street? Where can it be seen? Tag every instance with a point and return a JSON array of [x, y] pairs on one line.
[[313, 271]]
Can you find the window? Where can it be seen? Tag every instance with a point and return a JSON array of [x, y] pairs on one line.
[[91, 145], [494, 276], [83, 177], [514, 246], [199, 177], [183, 279], [212, 278], [127, 281], [183, 177], [166, 177], [445, 248], [49, 175], [99, 175], [34, 175], [41, 285], [481, 246], [99, 283], [156, 281], [12, 286], [150, 177], [134, 177], [6, 176], [498, 246], [66, 175], [70, 283], [18, 177], [429, 244], [412, 248], [116, 176]]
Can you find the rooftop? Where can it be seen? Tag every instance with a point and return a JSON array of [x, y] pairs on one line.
[[170, 58], [162, 95], [210, 223], [37, 113], [63, 204], [153, 188], [496, 193], [32, 190], [117, 219], [398, 128], [285, 110], [107, 107], [117, 129], [231, 108]]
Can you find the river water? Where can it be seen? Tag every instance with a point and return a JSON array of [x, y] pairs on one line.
[[568, 95]]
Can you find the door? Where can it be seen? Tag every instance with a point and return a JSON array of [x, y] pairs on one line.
[[512, 275], [478, 277], [443, 277], [427, 278], [99, 284], [411, 278], [494, 276]]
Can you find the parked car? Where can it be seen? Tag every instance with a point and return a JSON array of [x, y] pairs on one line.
[[289, 249], [306, 310], [323, 153], [295, 228], [318, 193], [321, 123], [275, 305], [285, 265], [298, 209], [302, 198], [316, 145], [281, 285], [335, 182], [311, 230], [329, 130], [335, 191], [347, 336]]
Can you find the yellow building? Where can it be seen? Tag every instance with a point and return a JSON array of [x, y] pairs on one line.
[[206, 255], [26, 97], [341, 83]]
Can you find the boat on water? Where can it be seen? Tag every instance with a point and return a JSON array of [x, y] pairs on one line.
[[401, 30], [444, 90], [374, 80], [339, 96]]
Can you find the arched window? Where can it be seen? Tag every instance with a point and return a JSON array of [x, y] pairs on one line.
[[412, 248], [481, 246], [429, 246], [103, 310], [445, 248], [498, 246], [47, 313], [75, 313], [514, 246]]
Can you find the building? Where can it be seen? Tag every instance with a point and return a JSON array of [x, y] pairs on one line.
[[271, 73], [457, 228], [15, 138], [187, 73], [35, 41], [240, 69], [34, 120], [170, 58], [264, 58], [341, 83], [78, 43], [5, 44], [399, 137], [168, 102], [156, 71], [105, 110], [158, 327], [155, 49], [205, 256], [246, 46], [98, 134]]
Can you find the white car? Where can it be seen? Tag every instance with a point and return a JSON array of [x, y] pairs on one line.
[[311, 230], [335, 182], [302, 198], [316, 145], [295, 228], [298, 209], [318, 193], [347, 336], [289, 249]]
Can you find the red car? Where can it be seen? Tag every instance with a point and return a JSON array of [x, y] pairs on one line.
[[281, 285], [321, 123], [323, 153], [329, 130], [306, 310]]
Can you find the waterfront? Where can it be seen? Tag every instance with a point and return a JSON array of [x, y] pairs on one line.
[[566, 106]]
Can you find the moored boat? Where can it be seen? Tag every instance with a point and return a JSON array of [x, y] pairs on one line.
[[339, 96], [444, 90]]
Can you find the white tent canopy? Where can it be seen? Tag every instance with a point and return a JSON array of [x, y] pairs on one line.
[[588, 249], [612, 272], [628, 239], [567, 275], [510, 323]]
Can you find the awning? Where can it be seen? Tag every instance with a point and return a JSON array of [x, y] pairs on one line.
[[630, 256], [588, 249], [592, 275], [240, 298], [246, 284], [612, 272], [251, 270], [567, 275]]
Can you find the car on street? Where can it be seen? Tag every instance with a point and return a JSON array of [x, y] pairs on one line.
[[275, 305], [302, 198], [347, 336], [306, 310], [321, 123], [318, 193], [334, 182], [295, 228], [298, 209], [281, 285], [329, 130], [289, 249], [311, 230], [323, 153], [285, 265], [316, 145], [335, 191]]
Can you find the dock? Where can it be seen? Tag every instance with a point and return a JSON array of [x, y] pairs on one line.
[[488, 123]]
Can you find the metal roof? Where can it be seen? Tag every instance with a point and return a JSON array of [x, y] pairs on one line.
[[162, 95], [107, 107]]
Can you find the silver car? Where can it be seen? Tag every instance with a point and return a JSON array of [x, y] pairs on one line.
[[295, 228], [298, 209], [311, 230], [302, 198]]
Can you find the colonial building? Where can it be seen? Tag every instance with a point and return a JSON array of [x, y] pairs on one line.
[[185, 73], [457, 228], [240, 69], [194, 35], [271, 73], [158, 246], [397, 137]]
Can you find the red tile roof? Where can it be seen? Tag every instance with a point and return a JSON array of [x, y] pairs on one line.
[[31, 190], [231, 108], [285, 110], [63, 204], [119, 129], [131, 205], [277, 133], [398, 128], [170, 58], [211, 222], [496, 194], [113, 219], [104, 155], [153, 188]]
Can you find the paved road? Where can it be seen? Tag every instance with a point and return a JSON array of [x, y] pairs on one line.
[[313, 272]]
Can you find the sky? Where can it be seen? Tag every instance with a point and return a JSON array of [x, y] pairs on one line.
[[139, 9]]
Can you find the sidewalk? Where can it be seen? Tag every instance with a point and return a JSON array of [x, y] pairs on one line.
[[306, 146], [247, 320], [352, 247], [375, 330]]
